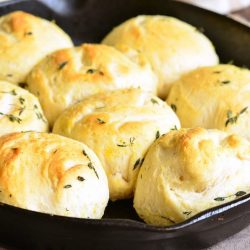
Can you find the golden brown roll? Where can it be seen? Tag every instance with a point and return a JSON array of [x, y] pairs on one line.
[[119, 127], [171, 46], [188, 171], [51, 174], [214, 97], [68, 76], [24, 40], [19, 110]]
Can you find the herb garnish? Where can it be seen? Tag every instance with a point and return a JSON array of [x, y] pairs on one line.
[[187, 212], [91, 71], [226, 82], [137, 163], [21, 100], [217, 72], [12, 118], [40, 117], [12, 92], [62, 65], [23, 85], [67, 186], [233, 119], [29, 33], [166, 218], [174, 128], [100, 121], [173, 106], [90, 165], [154, 101], [157, 135], [80, 178], [124, 144], [238, 194]]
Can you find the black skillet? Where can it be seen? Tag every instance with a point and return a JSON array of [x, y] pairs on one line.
[[89, 21]]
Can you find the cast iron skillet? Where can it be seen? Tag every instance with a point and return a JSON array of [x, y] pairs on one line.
[[90, 21]]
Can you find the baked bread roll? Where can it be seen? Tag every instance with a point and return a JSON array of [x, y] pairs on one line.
[[214, 97], [24, 40], [68, 76], [19, 110], [188, 171], [171, 46], [51, 174], [119, 127]]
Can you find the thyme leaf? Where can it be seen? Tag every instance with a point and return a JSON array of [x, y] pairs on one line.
[[233, 119], [62, 65], [67, 186], [100, 121], [173, 106], [90, 165], [157, 135], [137, 163]]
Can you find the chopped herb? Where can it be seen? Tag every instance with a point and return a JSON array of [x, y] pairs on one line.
[[67, 186], [28, 33], [91, 71], [240, 193], [21, 110], [90, 165], [233, 119], [40, 117], [142, 160], [12, 92], [62, 65], [100, 121], [174, 128], [137, 163], [187, 212], [219, 198], [225, 82], [154, 101], [217, 72], [124, 144], [157, 135], [13, 118], [80, 178], [131, 140], [173, 106], [35, 106], [21, 100], [23, 84]]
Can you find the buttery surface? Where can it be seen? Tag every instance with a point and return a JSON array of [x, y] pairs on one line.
[[214, 97], [19, 110], [68, 76], [119, 126], [188, 171], [171, 46], [24, 41], [51, 174]]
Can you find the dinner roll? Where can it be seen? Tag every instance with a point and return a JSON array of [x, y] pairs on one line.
[[171, 46], [24, 40], [214, 97], [51, 174], [19, 110], [70, 75], [188, 171], [119, 126]]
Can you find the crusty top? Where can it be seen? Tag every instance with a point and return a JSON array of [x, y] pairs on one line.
[[119, 126], [68, 76], [19, 110], [24, 40], [171, 46], [52, 174], [214, 97], [190, 170]]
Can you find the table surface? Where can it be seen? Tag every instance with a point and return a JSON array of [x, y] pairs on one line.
[[241, 240]]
